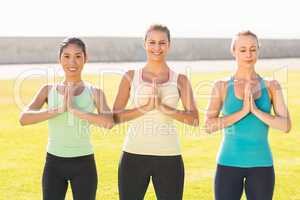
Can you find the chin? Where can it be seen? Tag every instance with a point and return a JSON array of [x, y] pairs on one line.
[[248, 64], [73, 73]]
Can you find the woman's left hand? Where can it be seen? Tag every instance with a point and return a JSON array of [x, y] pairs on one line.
[[70, 91], [253, 107]]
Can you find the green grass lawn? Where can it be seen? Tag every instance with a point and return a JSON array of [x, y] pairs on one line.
[[22, 149]]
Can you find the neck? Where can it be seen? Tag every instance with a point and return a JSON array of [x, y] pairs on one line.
[[245, 73], [156, 67], [72, 80]]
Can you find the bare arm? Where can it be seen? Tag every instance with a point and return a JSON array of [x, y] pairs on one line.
[[281, 118], [190, 113], [213, 121], [120, 113], [33, 114], [104, 116]]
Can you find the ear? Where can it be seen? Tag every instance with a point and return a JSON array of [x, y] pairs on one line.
[[169, 45], [86, 58], [258, 52], [233, 53]]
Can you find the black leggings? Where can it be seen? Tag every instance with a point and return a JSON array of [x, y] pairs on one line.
[[135, 170], [80, 171], [230, 182]]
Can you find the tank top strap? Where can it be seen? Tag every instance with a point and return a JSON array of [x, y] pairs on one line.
[[136, 79], [90, 87], [53, 93], [173, 76], [262, 83], [230, 85], [263, 87], [231, 80]]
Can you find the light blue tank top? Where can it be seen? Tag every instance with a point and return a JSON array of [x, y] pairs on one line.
[[69, 136], [245, 143]]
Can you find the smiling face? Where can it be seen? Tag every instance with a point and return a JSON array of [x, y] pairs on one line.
[[156, 45], [245, 50], [72, 59]]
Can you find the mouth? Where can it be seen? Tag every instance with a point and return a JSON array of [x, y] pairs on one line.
[[157, 53], [72, 69]]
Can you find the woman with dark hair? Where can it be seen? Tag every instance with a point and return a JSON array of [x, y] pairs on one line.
[[70, 110]]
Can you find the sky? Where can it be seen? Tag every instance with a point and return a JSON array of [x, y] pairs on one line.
[[130, 18]]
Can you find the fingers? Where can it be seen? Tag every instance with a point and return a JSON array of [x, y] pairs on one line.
[[252, 103], [153, 98], [68, 97], [154, 86], [247, 90], [156, 94]]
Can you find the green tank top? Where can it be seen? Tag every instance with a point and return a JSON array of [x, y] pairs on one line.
[[69, 136]]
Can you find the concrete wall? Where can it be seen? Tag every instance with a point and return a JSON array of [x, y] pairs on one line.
[[21, 50]]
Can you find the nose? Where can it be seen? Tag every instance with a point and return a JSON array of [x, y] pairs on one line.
[[249, 54], [157, 47], [72, 60]]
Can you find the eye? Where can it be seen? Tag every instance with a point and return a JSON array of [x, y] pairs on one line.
[[243, 50], [66, 56], [152, 42], [253, 50], [162, 43], [78, 56]]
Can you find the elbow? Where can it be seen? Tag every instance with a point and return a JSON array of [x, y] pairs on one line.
[[109, 124], [195, 122], [208, 130], [22, 120], [208, 126], [22, 123], [287, 128], [116, 119]]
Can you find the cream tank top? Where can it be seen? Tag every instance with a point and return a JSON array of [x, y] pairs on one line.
[[154, 133]]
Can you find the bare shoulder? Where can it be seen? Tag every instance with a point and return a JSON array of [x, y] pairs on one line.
[[129, 75], [182, 78], [44, 90], [220, 87], [221, 84], [98, 93], [183, 83], [42, 95], [272, 84]]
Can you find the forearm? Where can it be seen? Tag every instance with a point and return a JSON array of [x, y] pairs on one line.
[[34, 116], [104, 120], [274, 121], [187, 117], [217, 123], [129, 114]]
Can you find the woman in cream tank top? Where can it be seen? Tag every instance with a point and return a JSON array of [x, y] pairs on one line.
[[153, 133], [148, 98]]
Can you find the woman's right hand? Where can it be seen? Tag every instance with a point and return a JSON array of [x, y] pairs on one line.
[[64, 107], [150, 104], [154, 100]]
